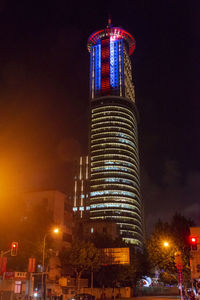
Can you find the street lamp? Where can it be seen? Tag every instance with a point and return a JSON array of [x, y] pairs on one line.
[[55, 231], [165, 244]]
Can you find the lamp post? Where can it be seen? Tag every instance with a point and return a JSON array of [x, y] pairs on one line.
[[179, 266], [55, 231]]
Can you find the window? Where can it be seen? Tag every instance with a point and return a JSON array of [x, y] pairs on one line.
[[18, 287], [92, 230]]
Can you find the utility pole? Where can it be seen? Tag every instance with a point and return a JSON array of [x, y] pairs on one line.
[[4, 252], [179, 266]]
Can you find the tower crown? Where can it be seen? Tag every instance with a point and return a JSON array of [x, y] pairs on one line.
[[110, 66], [114, 33]]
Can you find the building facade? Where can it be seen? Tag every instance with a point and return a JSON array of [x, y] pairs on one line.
[[57, 205], [100, 227], [81, 188], [114, 159]]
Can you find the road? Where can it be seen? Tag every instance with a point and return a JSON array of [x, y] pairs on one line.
[[157, 298]]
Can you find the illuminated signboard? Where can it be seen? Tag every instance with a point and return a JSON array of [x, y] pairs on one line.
[[115, 256]]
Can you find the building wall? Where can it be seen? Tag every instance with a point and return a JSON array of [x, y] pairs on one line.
[[81, 188], [107, 228], [56, 202], [114, 171]]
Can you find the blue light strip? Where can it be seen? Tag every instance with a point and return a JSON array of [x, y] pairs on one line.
[[121, 68], [95, 70], [91, 67], [97, 67], [114, 63]]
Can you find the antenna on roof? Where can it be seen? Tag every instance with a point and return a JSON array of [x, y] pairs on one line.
[[109, 22]]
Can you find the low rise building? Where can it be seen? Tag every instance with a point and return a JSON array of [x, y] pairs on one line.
[[57, 204]]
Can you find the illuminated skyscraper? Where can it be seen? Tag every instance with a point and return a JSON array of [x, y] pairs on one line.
[[114, 160]]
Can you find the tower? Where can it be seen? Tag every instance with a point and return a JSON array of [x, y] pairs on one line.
[[114, 160]]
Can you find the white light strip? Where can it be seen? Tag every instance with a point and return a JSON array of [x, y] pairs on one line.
[[112, 117], [86, 168], [75, 191], [81, 161], [81, 192], [108, 107]]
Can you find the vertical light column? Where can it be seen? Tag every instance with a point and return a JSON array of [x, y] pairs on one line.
[[75, 193], [105, 66]]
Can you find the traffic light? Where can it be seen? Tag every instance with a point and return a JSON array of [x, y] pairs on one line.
[[193, 242], [14, 248], [178, 260]]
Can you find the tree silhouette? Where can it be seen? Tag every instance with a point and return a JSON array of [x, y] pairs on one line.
[[177, 234], [82, 256]]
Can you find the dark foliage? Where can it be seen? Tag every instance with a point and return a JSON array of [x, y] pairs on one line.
[[176, 233]]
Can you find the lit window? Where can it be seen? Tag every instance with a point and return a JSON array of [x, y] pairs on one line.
[[112, 192], [18, 287]]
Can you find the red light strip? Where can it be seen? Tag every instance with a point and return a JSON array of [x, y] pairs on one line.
[[117, 33], [105, 66]]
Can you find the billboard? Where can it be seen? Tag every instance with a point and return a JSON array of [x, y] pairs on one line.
[[115, 256]]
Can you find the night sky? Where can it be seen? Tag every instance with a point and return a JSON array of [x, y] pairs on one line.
[[44, 95]]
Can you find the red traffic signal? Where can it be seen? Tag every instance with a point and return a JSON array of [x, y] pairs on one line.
[[193, 242], [14, 248]]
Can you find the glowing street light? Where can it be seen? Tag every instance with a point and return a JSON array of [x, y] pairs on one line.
[[55, 230], [166, 244], [179, 266]]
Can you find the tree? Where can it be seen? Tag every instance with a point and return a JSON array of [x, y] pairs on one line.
[[139, 266], [82, 256], [155, 247], [177, 234], [124, 275]]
